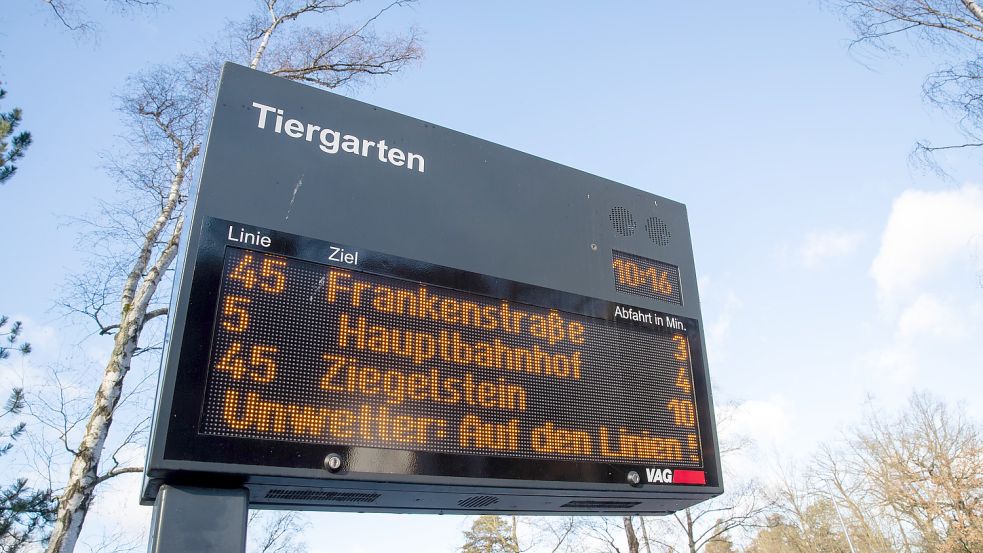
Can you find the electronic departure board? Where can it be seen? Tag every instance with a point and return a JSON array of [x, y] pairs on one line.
[[432, 323]]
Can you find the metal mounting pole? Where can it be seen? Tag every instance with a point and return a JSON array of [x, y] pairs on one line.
[[204, 520]]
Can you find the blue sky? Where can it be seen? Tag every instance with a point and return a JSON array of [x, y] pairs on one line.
[[830, 269]]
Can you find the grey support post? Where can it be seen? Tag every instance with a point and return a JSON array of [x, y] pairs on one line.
[[203, 520]]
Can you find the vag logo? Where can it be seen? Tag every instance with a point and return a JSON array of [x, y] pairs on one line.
[[663, 476]]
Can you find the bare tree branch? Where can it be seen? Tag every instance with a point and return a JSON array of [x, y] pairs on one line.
[[137, 238], [909, 483], [73, 15], [116, 472], [335, 57], [954, 30], [152, 314]]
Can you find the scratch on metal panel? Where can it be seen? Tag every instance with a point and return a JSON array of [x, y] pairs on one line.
[[294, 197]]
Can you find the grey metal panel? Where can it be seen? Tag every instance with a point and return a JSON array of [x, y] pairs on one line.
[[478, 206], [201, 520]]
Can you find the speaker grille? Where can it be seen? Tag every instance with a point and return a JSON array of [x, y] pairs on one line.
[[658, 231], [622, 221], [320, 495], [478, 501]]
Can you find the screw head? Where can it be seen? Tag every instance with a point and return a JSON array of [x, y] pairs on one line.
[[593, 247], [633, 478], [332, 462]]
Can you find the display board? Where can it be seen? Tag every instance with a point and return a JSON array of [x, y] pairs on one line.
[[326, 364]]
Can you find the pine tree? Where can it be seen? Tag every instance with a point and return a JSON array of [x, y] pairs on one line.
[[490, 534], [25, 513], [17, 145], [10, 337]]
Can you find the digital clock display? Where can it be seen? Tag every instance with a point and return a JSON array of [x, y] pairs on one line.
[[640, 276]]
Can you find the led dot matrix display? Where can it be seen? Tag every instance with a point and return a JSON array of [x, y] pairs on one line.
[[313, 353]]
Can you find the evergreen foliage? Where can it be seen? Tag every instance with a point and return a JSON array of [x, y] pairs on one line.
[[25, 513], [10, 336], [12, 144], [489, 534]]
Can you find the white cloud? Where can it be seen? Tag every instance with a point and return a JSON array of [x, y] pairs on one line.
[[896, 368], [41, 336], [925, 232], [719, 329], [748, 431], [928, 315], [705, 283], [29, 370], [820, 247], [764, 421]]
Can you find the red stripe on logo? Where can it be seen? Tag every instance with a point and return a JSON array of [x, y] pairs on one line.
[[689, 477]]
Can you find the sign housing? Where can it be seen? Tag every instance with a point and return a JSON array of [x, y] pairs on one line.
[[374, 313]]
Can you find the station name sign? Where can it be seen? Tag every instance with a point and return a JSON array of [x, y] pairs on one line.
[[331, 141]]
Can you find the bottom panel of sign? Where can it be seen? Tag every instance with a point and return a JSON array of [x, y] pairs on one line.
[[391, 497]]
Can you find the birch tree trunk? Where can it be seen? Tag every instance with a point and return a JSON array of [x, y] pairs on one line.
[[75, 500], [974, 9], [690, 537], [168, 115], [645, 535], [515, 534], [630, 534]]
